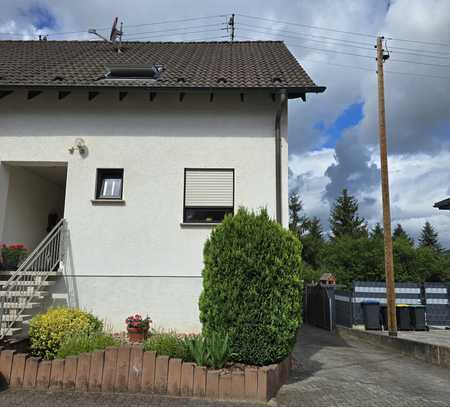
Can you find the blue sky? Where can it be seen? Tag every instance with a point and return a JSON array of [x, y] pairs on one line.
[[349, 117], [40, 16]]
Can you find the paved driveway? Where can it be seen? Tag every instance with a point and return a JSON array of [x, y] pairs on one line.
[[329, 372], [332, 372]]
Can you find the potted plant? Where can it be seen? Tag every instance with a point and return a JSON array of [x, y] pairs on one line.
[[137, 327], [12, 255]]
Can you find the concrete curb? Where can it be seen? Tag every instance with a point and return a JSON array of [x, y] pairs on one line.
[[434, 354]]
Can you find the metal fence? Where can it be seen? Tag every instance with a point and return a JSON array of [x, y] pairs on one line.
[[435, 296]]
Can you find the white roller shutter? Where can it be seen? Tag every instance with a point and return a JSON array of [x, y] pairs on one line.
[[209, 188]]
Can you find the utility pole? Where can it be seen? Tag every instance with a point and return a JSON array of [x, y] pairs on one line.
[[231, 27], [388, 256]]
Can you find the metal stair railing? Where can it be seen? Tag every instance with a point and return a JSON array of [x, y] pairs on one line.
[[19, 290]]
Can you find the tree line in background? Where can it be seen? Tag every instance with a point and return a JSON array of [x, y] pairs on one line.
[[352, 252]]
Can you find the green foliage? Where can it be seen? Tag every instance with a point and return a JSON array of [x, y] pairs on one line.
[[313, 244], [169, 344], [298, 223], [213, 351], [429, 238], [74, 345], [49, 330], [310, 274], [344, 219], [198, 349], [351, 259], [252, 287], [377, 232], [400, 233], [218, 347]]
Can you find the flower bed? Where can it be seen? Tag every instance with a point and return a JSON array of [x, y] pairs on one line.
[[130, 369]]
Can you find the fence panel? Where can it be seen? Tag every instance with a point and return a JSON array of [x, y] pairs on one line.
[[437, 302]]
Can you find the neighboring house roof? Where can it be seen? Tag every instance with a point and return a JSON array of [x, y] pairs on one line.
[[444, 204], [210, 65]]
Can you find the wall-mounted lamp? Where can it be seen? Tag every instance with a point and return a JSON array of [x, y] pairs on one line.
[[80, 146]]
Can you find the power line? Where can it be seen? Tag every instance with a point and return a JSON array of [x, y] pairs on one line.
[[180, 33], [169, 30], [419, 50], [308, 35], [303, 38], [420, 63], [342, 31], [418, 54], [439, 44], [307, 26], [50, 34]]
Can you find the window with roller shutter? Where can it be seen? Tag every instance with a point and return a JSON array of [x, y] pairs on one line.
[[208, 195]]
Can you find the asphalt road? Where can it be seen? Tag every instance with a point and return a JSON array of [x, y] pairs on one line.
[[328, 372]]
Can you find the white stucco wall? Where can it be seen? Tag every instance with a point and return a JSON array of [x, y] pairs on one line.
[[30, 199], [137, 257]]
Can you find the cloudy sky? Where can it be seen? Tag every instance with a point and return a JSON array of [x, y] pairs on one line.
[[333, 137]]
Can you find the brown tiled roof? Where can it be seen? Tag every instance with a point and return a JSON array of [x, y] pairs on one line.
[[243, 65]]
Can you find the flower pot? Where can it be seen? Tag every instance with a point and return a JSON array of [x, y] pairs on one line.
[[137, 334]]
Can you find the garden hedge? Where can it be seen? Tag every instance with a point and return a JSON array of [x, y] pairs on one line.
[[252, 287]]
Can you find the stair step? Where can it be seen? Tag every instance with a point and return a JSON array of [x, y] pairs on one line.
[[28, 282], [33, 273], [39, 294], [20, 318], [20, 305], [9, 331]]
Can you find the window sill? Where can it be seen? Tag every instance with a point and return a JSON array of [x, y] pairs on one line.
[[108, 202], [198, 224]]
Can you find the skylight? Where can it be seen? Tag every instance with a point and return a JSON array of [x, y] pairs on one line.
[[132, 72]]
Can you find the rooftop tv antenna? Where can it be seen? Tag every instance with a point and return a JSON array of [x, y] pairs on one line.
[[115, 37]]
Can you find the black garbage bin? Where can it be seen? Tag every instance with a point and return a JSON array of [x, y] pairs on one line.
[[403, 317], [371, 311], [417, 314]]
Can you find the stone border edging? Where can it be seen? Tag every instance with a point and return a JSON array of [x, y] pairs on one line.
[[426, 352], [128, 369]]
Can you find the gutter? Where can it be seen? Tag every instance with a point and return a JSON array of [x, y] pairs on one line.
[[278, 159]]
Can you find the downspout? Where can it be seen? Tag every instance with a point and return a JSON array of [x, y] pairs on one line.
[[278, 158]]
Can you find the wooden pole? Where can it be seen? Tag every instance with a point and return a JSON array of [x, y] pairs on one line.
[[388, 256]]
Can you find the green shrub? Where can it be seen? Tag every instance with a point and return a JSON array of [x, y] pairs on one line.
[[169, 344], [252, 287], [49, 330], [74, 345]]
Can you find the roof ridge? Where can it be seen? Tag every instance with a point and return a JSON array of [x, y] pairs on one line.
[[145, 42]]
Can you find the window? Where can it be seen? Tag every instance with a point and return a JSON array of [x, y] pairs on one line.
[[109, 184], [133, 71], [208, 195]]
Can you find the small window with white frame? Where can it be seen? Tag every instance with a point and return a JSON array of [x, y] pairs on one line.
[[109, 184], [208, 195]]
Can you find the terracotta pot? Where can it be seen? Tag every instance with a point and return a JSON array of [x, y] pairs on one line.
[[137, 334]]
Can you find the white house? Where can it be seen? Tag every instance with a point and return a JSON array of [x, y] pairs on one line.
[[141, 152]]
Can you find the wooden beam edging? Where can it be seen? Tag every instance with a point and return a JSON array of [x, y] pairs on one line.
[[128, 369]]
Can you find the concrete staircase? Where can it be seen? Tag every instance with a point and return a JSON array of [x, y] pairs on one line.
[[27, 301], [23, 291]]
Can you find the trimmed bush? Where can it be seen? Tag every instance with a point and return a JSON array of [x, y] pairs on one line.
[[252, 287], [49, 330], [74, 345], [169, 344]]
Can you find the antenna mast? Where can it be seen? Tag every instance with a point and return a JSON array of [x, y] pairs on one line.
[[231, 27], [115, 37]]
